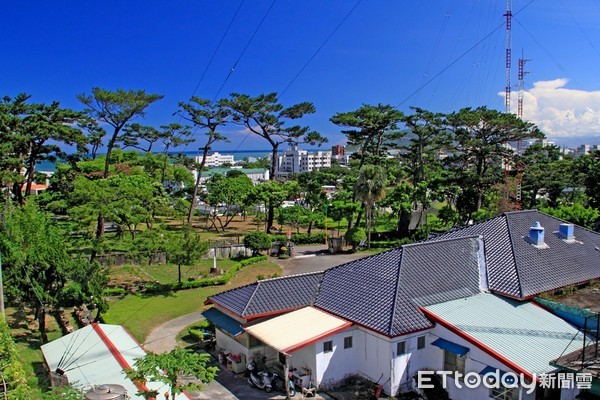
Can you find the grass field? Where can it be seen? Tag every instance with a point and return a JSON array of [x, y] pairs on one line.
[[140, 313], [164, 273]]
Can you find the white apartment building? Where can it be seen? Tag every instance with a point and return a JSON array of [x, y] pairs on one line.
[[294, 161], [216, 159]]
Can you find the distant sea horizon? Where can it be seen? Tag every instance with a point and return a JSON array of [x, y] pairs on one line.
[[238, 155]]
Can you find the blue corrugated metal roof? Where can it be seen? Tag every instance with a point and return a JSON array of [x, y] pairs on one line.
[[450, 346], [223, 321]]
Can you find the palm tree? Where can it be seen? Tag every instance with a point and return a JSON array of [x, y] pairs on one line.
[[370, 188]]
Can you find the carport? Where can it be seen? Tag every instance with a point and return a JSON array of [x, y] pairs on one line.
[[297, 329]]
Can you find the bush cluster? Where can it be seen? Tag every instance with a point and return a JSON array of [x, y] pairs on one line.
[[303, 238], [220, 280]]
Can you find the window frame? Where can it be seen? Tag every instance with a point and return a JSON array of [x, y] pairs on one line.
[[348, 342], [504, 393], [421, 342], [328, 346], [398, 346], [454, 362]]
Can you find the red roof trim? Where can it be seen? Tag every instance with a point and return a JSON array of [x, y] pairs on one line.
[[115, 352], [477, 343]]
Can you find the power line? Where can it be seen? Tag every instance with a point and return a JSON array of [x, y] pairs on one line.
[[319, 48], [217, 49], [245, 48], [447, 67]]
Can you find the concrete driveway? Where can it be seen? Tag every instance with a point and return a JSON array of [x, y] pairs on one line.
[[314, 258]]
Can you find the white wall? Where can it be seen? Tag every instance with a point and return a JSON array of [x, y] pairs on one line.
[[333, 366]]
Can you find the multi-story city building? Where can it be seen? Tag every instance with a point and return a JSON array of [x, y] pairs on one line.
[[295, 161], [216, 159]]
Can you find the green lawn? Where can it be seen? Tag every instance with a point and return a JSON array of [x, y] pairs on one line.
[[141, 313], [166, 273]]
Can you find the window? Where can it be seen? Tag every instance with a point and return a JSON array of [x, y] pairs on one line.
[[348, 342], [421, 342], [454, 362], [328, 346], [503, 393], [400, 348]]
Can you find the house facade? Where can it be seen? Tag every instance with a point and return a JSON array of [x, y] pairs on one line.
[[461, 302]]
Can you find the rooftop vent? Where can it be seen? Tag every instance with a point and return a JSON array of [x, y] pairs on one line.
[[536, 235], [566, 231], [107, 392]]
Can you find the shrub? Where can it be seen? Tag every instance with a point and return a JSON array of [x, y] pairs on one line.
[[257, 241], [354, 236], [221, 280], [71, 295], [303, 238], [196, 334], [115, 291]]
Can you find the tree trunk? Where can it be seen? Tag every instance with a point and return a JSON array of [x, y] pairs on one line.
[[198, 177], [30, 176], [270, 216], [403, 223], [41, 314], [17, 187]]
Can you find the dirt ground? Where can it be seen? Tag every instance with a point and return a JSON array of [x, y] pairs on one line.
[[587, 297]]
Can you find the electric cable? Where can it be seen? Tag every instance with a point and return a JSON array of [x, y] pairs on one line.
[[319, 48], [447, 67], [244, 49]]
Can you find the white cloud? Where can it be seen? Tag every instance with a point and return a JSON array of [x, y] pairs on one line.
[[559, 111]]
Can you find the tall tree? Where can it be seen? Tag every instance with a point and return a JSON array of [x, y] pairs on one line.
[[46, 128], [370, 188], [117, 109], [266, 117], [543, 168], [12, 115], [173, 135], [375, 128], [209, 117], [135, 134], [421, 159], [35, 259], [480, 138], [231, 191]]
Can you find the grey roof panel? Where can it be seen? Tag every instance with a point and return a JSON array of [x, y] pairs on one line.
[[283, 294], [362, 291], [271, 295], [561, 263], [438, 271], [499, 258]]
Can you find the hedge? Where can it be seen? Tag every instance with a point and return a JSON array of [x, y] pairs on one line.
[[303, 238], [390, 244], [221, 280]]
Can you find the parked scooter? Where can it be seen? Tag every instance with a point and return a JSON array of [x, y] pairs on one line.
[[261, 380], [279, 384]]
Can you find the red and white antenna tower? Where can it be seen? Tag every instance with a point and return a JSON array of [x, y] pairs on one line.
[[508, 16]]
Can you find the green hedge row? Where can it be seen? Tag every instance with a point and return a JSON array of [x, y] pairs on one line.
[[390, 244], [303, 238], [221, 280]]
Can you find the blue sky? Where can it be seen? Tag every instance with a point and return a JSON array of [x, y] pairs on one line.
[[383, 53]]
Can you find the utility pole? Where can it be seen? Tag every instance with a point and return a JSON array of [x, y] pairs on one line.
[[508, 57]]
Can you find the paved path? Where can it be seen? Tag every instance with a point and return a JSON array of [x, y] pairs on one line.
[[162, 338]]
